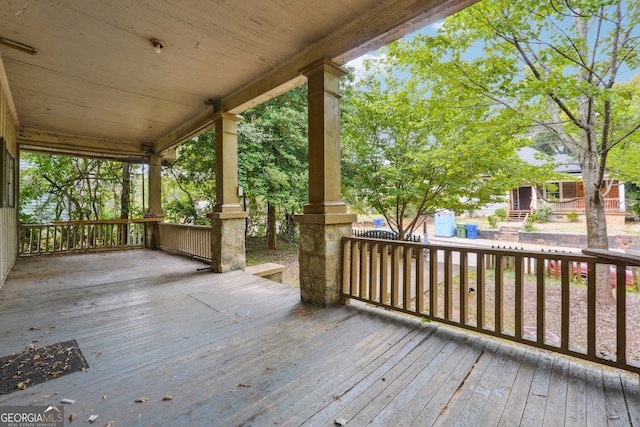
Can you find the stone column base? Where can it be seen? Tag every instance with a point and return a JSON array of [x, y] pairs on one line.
[[320, 260], [227, 243]]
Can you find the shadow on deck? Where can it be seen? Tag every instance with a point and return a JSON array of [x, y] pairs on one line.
[[234, 349]]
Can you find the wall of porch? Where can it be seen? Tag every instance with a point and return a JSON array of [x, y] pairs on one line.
[[8, 215]]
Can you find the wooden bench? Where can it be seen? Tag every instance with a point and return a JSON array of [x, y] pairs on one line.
[[269, 270]]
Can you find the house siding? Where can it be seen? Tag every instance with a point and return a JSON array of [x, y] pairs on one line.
[[8, 215]]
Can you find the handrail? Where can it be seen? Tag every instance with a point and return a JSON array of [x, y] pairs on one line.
[[82, 236], [191, 240], [499, 292]]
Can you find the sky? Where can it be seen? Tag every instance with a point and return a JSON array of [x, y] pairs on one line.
[[624, 74]]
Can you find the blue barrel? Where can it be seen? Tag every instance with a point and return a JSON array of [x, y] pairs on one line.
[[472, 231]]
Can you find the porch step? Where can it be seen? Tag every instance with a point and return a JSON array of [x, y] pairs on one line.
[[509, 233], [517, 216], [269, 270]]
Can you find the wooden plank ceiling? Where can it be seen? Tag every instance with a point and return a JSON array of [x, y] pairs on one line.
[[96, 86]]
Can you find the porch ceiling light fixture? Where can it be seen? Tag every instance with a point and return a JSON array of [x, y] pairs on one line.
[[18, 46], [158, 45]]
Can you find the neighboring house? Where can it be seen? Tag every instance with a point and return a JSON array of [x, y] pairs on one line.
[[565, 196]]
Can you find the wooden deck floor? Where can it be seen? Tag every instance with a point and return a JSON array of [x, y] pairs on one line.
[[234, 349]]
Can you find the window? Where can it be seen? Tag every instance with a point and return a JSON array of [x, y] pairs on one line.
[[7, 177], [553, 191]]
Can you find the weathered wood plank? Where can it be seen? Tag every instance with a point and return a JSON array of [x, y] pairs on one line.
[[617, 414], [235, 349], [539, 393], [519, 393]]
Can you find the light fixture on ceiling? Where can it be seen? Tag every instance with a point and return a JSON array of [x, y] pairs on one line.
[[158, 45]]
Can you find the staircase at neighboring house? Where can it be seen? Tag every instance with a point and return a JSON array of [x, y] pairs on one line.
[[509, 233], [517, 216]]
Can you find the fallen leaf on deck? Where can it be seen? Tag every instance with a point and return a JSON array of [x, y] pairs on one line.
[[167, 398], [142, 399], [47, 396], [109, 424], [70, 401], [240, 385], [22, 385], [340, 422], [104, 397], [91, 418], [72, 417]]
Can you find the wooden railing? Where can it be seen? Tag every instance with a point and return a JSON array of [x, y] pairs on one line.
[[190, 240], [81, 236], [506, 293], [610, 204]]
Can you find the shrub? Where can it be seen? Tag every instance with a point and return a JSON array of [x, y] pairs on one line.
[[493, 221], [543, 213], [572, 216], [501, 214]]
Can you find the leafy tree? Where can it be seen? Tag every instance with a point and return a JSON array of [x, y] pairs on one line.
[[189, 184], [272, 166], [624, 160], [54, 188], [555, 63], [408, 154], [272, 156]]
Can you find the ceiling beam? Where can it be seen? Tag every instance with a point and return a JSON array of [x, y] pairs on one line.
[[4, 85], [37, 140], [202, 122]]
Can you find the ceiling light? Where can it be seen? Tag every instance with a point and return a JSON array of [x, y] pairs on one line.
[[158, 45]]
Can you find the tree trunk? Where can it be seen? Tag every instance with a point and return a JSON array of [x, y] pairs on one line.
[[125, 196], [271, 226], [125, 200], [596, 219]]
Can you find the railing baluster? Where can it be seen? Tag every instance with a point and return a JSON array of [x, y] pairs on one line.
[[363, 269], [433, 282], [480, 291], [464, 288], [519, 284], [564, 301], [395, 274], [355, 245], [591, 310], [621, 316], [373, 271], [406, 278], [420, 260], [499, 297], [448, 284], [540, 303], [384, 273]]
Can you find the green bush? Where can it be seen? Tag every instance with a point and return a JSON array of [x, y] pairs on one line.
[[493, 221], [501, 214], [572, 216], [543, 213]]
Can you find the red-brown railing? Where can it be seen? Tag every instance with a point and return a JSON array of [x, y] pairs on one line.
[[81, 236], [511, 294], [610, 204]]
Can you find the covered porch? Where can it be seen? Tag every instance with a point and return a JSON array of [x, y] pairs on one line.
[[234, 349]]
